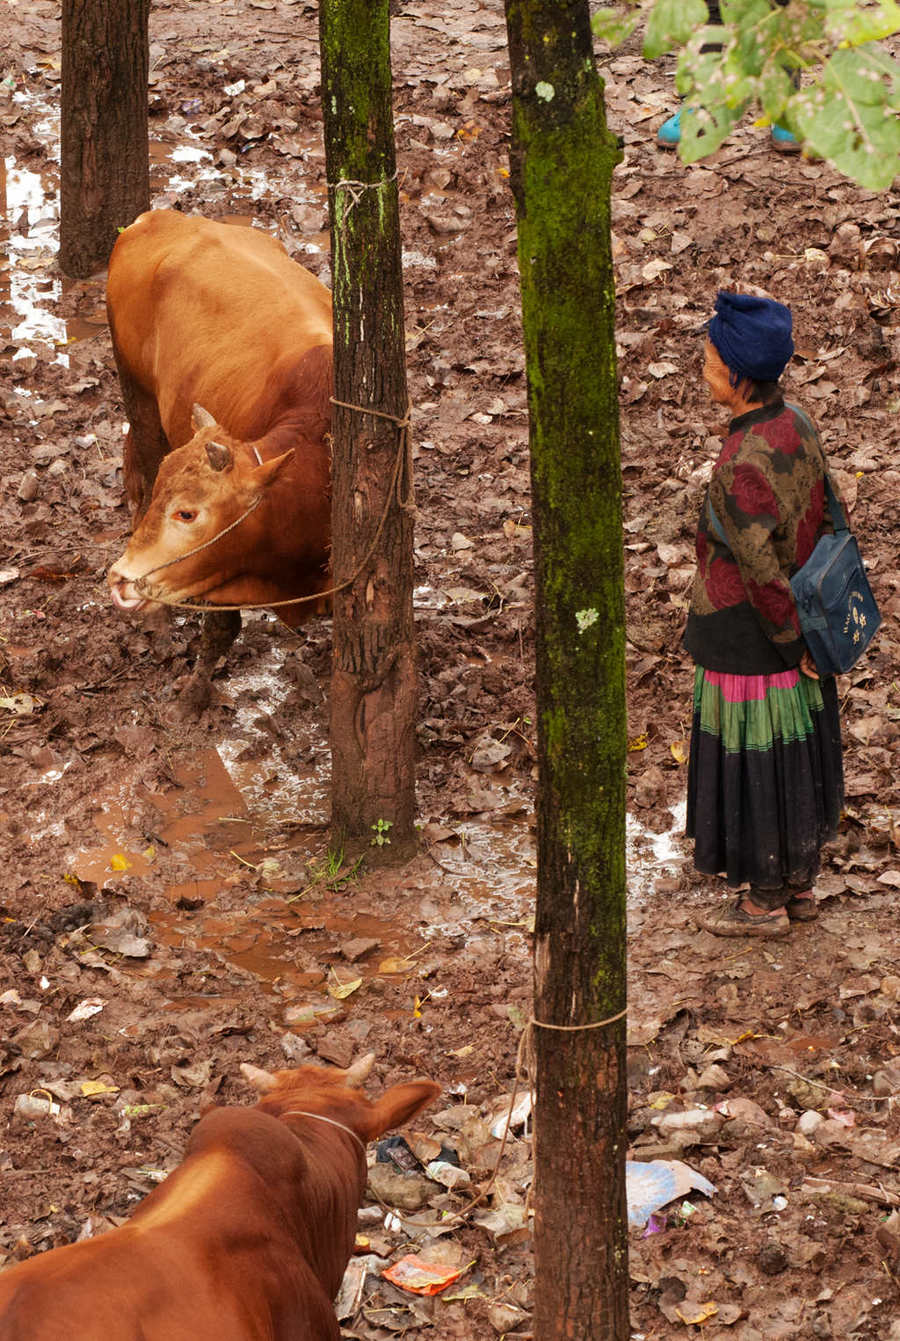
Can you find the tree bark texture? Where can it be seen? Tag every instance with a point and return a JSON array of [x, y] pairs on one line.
[[105, 158], [562, 158], [373, 684]]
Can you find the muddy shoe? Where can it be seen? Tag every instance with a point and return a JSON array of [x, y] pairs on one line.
[[734, 921], [803, 909]]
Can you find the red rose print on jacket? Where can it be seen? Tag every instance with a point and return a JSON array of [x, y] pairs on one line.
[[723, 584], [753, 493], [810, 523], [776, 604], [780, 433]]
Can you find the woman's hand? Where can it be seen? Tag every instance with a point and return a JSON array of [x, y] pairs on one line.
[[808, 666]]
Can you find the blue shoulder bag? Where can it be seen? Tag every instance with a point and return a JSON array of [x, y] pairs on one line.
[[838, 614]]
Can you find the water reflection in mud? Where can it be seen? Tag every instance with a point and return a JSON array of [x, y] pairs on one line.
[[650, 855], [29, 285]]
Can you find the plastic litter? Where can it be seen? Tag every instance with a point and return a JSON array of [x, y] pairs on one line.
[[450, 1175], [33, 1106], [395, 1150], [417, 1276], [520, 1115], [652, 1185], [92, 1005]]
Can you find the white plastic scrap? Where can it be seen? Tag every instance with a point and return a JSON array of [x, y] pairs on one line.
[[655, 1183], [91, 1005]]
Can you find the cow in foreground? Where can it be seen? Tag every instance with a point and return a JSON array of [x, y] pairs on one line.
[[224, 350], [247, 1240]]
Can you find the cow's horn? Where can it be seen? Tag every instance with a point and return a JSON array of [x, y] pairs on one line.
[[358, 1072], [201, 418], [219, 456], [263, 1081]]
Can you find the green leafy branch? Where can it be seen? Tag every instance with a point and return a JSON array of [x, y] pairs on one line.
[[847, 109]]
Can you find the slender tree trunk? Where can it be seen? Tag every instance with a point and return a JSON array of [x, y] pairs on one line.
[[105, 171], [373, 684], [562, 159]]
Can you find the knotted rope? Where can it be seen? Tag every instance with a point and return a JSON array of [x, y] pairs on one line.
[[358, 189]]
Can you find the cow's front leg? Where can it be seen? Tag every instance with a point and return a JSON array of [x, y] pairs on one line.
[[220, 629]]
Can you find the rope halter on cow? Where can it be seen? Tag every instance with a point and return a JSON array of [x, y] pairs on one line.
[[139, 582], [400, 490], [320, 1117]]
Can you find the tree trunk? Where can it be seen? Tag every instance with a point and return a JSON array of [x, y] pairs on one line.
[[373, 684], [562, 157], [105, 169]]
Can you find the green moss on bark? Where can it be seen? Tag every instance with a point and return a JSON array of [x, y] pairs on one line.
[[561, 165], [373, 690]]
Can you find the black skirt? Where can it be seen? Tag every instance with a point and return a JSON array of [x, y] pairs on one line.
[[765, 778]]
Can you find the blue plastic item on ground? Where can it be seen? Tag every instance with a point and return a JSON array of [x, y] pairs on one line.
[[650, 1185], [669, 133], [784, 141]]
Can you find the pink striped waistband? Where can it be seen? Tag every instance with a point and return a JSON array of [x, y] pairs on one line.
[[747, 688]]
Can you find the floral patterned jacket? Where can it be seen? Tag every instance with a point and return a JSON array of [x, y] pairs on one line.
[[768, 492]]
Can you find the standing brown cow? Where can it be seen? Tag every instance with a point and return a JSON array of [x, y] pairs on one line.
[[246, 1241], [224, 351]]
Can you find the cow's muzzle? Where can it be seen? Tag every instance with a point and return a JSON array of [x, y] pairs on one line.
[[125, 593]]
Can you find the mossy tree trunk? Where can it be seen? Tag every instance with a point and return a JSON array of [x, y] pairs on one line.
[[373, 684], [105, 159], [562, 158]]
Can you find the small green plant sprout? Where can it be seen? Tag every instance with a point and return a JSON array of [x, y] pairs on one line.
[[331, 872], [585, 618], [381, 830]]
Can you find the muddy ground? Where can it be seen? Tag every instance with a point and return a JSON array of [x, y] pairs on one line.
[[173, 875]]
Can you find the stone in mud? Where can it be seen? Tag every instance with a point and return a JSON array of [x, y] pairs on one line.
[[35, 1040], [406, 1191], [772, 1259], [295, 1049], [29, 487], [359, 948]]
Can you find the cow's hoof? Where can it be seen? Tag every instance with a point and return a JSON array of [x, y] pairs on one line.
[[196, 696]]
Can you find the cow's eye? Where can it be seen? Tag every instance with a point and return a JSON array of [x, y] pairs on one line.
[[185, 515]]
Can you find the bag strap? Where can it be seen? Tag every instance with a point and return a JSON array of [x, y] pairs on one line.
[[716, 524], [838, 519]]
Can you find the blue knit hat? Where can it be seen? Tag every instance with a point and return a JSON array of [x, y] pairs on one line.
[[752, 335]]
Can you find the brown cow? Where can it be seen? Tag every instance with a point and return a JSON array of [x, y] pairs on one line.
[[224, 351], [246, 1241]]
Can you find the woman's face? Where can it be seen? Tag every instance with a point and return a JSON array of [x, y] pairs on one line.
[[716, 375]]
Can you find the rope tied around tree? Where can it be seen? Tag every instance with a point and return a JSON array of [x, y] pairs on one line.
[[400, 491], [523, 1048], [358, 189]]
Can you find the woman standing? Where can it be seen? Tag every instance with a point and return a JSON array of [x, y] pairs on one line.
[[765, 780]]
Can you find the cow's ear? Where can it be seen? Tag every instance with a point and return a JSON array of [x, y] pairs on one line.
[[263, 1081], [201, 418], [398, 1104], [219, 457], [266, 473]]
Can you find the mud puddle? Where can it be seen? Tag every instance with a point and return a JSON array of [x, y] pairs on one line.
[[277, 907]]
